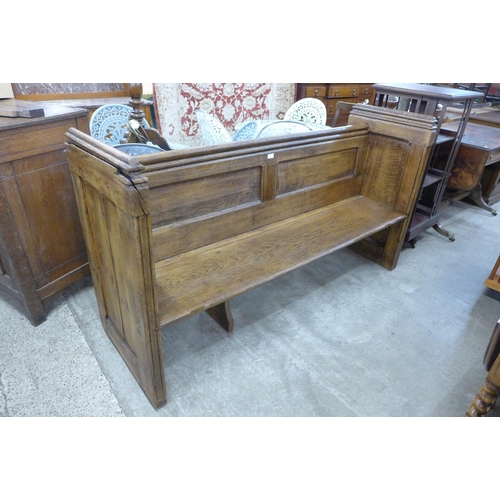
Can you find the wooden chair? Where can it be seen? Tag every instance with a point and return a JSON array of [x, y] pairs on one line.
[[309, 110], [342, 106], [489, 392]]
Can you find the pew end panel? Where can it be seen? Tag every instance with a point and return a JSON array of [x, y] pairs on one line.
[[401, 144], [176, 233], [112, 202]]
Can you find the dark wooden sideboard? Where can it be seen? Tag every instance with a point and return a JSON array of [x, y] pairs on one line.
[[42, 249]]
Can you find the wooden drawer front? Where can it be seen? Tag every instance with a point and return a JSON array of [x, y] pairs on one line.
[[348, 90], [331, 105], [365, 91], [314, 91]]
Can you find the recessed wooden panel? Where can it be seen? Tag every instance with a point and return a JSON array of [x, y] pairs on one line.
[[386, 166], [40, 161], [21, 140], [6, 170], [195, 233], [202, 196], [312, 170], [41, 243], [50, 206]]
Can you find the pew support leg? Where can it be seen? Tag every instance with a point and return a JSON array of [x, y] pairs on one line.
[[222, 315]]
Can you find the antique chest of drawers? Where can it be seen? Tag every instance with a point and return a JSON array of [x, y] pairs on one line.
[[42, 249], [331, 93]]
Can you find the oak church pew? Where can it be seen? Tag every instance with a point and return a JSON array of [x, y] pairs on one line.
[[175, 233]]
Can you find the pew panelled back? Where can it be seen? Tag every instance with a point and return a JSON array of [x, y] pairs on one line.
[[172, 234]]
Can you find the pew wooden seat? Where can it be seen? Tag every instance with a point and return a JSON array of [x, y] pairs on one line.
[[179, 232]]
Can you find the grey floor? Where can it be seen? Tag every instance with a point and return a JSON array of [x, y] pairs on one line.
[[338, 337]]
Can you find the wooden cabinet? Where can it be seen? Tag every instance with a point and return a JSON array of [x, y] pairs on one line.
[[42, 249], [490, 180], [331, 93]]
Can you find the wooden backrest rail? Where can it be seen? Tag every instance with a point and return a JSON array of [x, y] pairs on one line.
[[176, 233]]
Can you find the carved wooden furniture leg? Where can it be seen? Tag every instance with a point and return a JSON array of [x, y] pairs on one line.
[[222, 314], [477, 197], [484, 400], [444, 232], [488, 394], [412, 242]]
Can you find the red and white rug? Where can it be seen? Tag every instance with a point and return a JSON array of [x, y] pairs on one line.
[[231, 103]]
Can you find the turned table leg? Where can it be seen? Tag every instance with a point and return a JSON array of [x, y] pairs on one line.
[[489, 392], [484, 400], [477, 197], [441, 230]]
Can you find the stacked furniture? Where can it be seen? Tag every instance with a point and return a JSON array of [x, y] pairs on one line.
[[432, 101], [331, 93]]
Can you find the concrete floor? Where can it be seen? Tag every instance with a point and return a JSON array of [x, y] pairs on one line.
[[338, 337]]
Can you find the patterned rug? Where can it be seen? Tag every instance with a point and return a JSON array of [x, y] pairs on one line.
[[231, 103]]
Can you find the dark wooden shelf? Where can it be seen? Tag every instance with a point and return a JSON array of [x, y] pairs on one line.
[[442, 138], [430, 179]]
